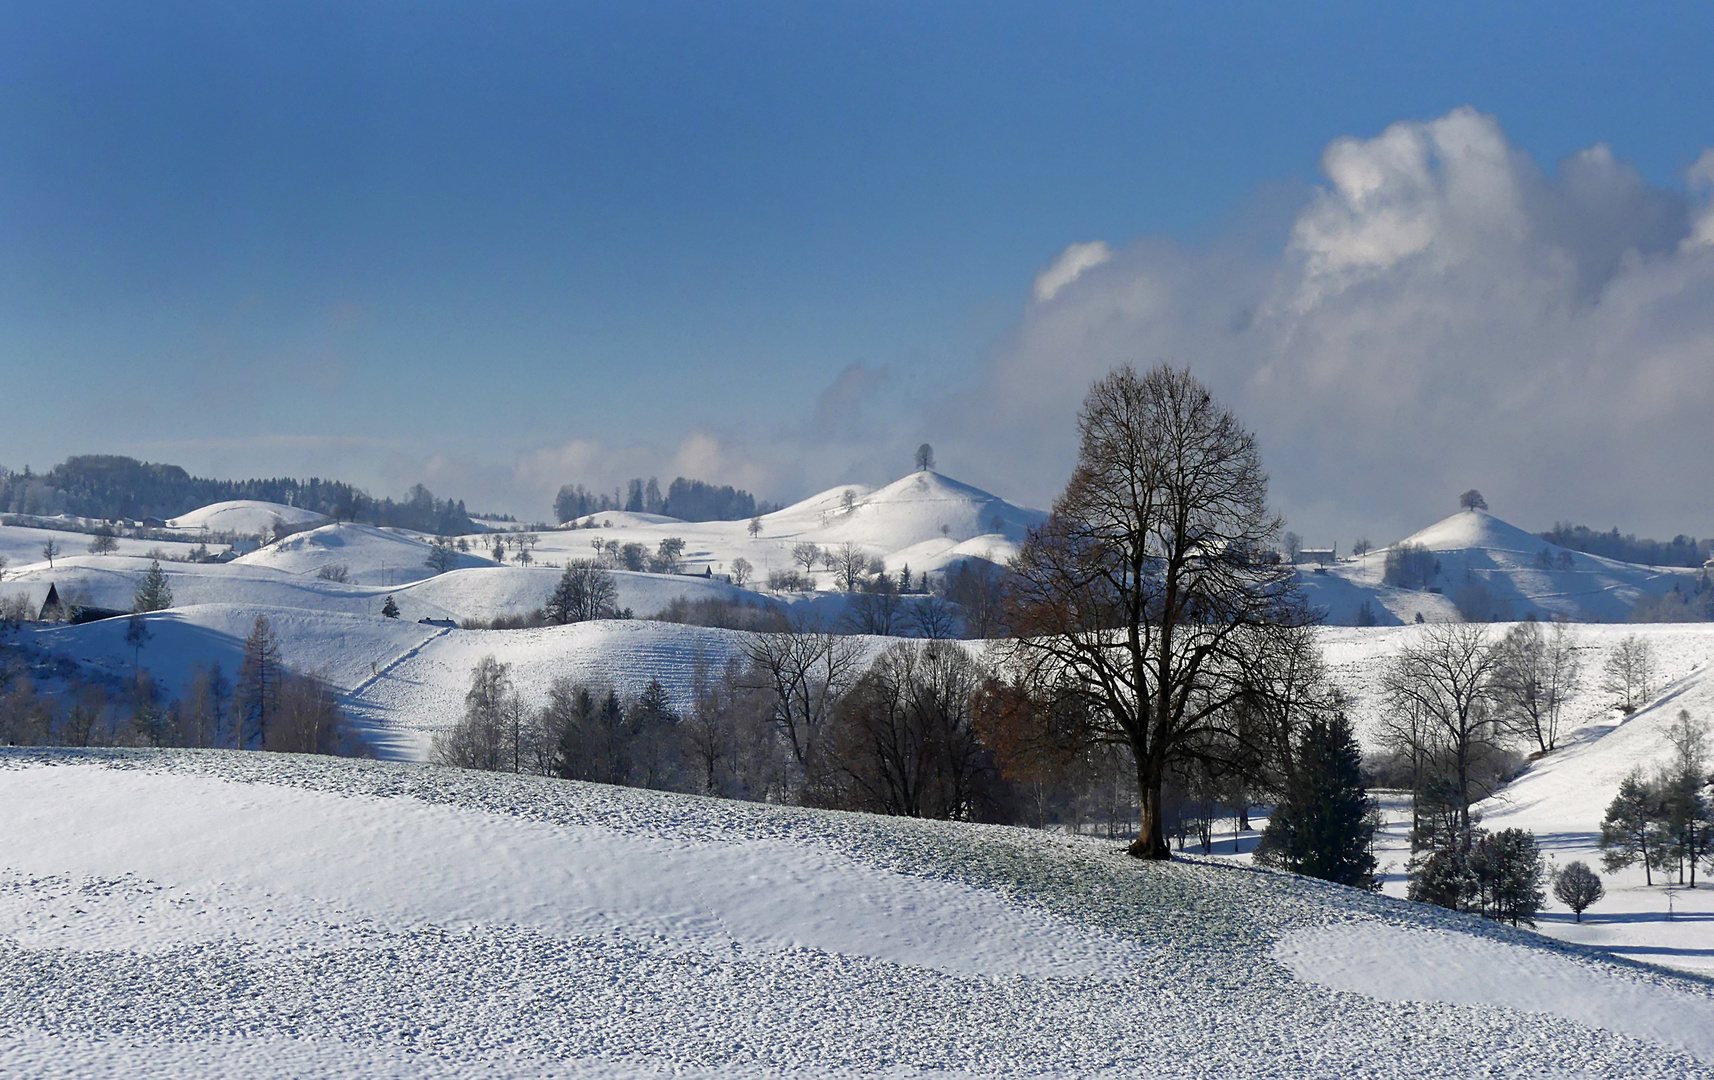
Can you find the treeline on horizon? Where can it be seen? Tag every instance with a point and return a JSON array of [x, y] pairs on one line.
[[1681, 550], [685, 499], [110, 486]]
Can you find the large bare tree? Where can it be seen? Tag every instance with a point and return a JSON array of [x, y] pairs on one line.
[[1150, 589], [1440, 707]]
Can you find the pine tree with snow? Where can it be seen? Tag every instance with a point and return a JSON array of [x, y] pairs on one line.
[[153, 593], [390, 609], [1324, 826]]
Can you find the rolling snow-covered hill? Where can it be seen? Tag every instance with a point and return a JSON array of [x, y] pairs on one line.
[[1475, 547], [245, 517], [187, 914], [925, 520]]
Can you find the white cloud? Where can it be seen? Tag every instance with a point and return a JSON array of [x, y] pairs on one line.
[[1069, 266], [1444, 315]]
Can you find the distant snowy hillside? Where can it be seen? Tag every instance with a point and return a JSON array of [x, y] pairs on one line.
[[926, 521], [372, 556], [246, 517], [1523, 575], [191, 914]]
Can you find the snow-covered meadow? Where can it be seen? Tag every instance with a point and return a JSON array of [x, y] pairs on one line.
[[211, 913]]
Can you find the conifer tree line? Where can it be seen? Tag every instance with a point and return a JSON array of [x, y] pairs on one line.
[[1664, 820], [50, 701], [114, 487], [686, 499]]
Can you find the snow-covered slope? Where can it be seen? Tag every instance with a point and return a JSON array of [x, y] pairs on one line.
[[372, 556], [213, 914], [246, 517], [1475, 547], [925, 520], [21, 547]]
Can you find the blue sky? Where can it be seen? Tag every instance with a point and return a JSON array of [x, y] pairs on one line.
[[497, 246]]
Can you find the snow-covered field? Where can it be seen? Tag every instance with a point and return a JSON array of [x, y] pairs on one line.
[[207, 913]]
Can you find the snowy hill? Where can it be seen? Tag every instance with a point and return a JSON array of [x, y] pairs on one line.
[[371, 556], [925, 520], [174, 914], [245, 517], [1522, 574]]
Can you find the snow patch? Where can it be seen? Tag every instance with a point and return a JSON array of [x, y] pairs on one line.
[[1397, 963]]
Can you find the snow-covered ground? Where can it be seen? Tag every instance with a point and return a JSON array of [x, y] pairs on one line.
[[1474, 546], [171, 914], [246, 517]]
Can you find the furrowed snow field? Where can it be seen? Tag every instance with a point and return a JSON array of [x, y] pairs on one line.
[[185, 913]]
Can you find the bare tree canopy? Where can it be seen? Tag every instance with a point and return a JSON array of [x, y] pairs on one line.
[[1150, 588]]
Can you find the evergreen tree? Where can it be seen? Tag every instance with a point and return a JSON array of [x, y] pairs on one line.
[[390, 609], [1324, 826], [1510, 870], [1632, 830], [153, 594], [259, 679]]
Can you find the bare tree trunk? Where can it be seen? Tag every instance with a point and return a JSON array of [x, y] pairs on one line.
[[1151, 836]]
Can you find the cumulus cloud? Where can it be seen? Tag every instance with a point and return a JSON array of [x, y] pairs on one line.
[[1068, 267], [1443, 314]]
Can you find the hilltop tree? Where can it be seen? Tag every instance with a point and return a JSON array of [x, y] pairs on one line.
[[925, 458], [755, 526], [1145, 594], [51, 550], [259, 683], [153, 593], [1472, 500], [741, 569], [103, 542], [390, 609]]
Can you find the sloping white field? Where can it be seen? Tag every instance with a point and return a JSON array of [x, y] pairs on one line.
[[372, 556], [217, 914], [22, 549], [482, 592], [346, 650], [1475, 546], [246, 517], [424, 692]]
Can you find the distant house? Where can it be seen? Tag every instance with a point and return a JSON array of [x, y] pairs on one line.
[[56, 610], [1319, 556]]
